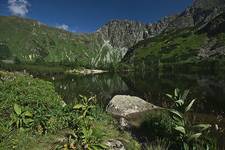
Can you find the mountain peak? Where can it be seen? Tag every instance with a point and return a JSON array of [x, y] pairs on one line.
[[123, 33], [208, 4]]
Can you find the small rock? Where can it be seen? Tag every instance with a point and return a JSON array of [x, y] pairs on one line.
[[63, 103], [115, 145], [216, 127], [124, 123]]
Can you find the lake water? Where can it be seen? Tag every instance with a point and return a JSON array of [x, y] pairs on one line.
[[208, 89]]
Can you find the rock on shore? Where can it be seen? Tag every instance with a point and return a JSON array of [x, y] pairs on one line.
[[86, 71], [124, 105]]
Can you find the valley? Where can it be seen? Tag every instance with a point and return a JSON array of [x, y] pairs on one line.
[[64, 90]]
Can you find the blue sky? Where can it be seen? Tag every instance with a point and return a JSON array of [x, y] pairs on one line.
[[89, 15]]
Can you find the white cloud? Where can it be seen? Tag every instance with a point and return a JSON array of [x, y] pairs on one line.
[[63, 26], [18, 7]]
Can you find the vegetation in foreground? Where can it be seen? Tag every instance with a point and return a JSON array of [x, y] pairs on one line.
[[172, 129], [33, 115]]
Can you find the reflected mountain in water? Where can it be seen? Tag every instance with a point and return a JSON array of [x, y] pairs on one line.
[[208, 89], [103, 85]]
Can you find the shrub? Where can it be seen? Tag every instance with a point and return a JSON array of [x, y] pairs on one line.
[[171, 125], [185, 135]]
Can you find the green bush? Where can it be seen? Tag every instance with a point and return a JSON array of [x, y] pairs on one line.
[[158, 124], [35, 96], [172, 127]]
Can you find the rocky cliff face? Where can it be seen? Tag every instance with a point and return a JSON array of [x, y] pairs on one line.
[[123, 34], [158, 27], [199, 14], [214, 48], [215, 26]]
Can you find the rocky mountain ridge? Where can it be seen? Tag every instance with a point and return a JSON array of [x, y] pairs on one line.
[[199, 14], [125, 34], [30, 41], [195, 36]]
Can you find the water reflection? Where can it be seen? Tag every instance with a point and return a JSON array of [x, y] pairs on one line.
[[103, 85], [209, 90]]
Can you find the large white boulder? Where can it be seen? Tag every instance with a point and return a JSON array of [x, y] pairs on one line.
[[124, 105]]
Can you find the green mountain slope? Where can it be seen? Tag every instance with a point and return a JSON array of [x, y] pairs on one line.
[[29, 41], [184, 46]]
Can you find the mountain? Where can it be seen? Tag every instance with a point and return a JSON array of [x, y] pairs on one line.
[[124, 34], [195, 36], [191, 36], [200, 13], [29, 41]]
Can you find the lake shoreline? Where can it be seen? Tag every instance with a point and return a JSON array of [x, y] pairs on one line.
[[85, 71]]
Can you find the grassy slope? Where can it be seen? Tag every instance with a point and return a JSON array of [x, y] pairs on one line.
[[29, 41], [51, 121], [175, 47]]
